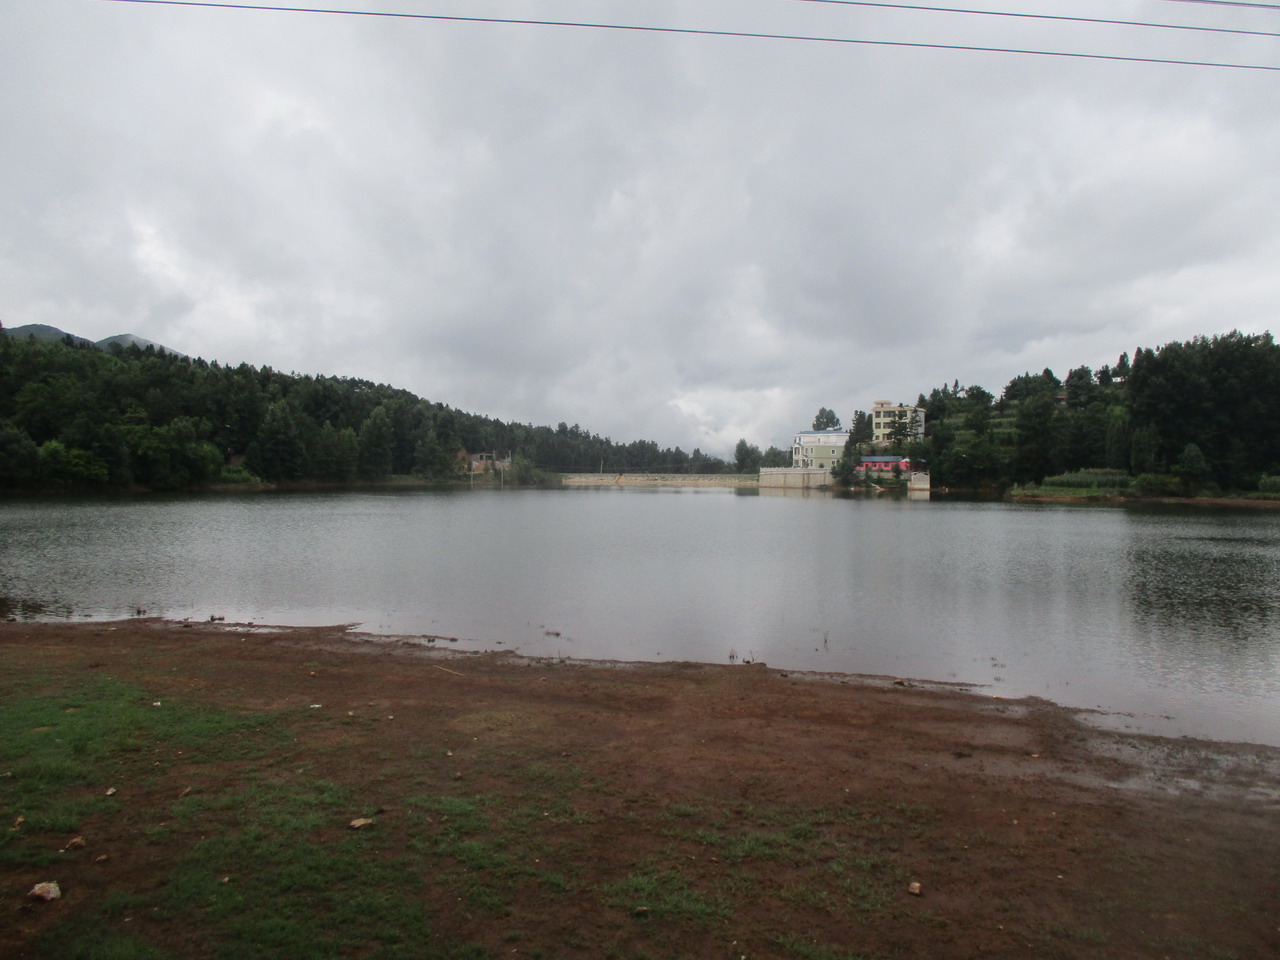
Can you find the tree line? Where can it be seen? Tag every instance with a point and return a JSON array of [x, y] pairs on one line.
[[74, 416], [1181, 418]]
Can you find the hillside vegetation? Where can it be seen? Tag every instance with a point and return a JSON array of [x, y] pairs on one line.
[[76, 417], [1184, 418]]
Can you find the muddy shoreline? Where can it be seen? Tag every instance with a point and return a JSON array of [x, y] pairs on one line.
[[1032, 833]]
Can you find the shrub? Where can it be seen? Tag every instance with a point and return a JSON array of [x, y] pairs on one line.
[[1095, 479], [1269, 484], [236, 474], [1156, 485]]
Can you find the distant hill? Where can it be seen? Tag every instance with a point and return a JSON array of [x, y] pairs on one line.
[[42, 331], [128, 339]]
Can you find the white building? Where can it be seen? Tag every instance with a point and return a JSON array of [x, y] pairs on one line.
[[818, 448]]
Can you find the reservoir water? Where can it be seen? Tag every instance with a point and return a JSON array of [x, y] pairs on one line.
[[1166, 618]]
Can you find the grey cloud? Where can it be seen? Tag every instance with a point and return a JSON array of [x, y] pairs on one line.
[[677, 238]]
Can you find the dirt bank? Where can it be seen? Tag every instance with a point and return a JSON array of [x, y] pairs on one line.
[[660, 810]]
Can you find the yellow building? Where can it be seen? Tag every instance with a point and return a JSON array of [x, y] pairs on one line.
[[884, 415]]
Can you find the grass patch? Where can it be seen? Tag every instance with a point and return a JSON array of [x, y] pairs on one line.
[[665, 895], [59, 752], [758, 846], [112, 946], [808, 948], [282, 878], [276, 875]]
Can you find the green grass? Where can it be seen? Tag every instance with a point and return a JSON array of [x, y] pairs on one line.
[[282, 878], [60, 752], [276, 854], [666, 895], [110, 947], [1097, 479], [259, 861], [757, 845], [1084, 493]]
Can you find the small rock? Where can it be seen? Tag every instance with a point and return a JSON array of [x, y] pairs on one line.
[[914, 888], [156, 703], [185, 791], [111, 791], [642, 912], [899, 683], [76, 843], [360, 822], [46, 891], [17, 824], [101, 858]]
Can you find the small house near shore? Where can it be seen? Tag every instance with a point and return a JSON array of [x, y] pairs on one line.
[[879, 466]]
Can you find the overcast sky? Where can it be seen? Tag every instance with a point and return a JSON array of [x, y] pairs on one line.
[[689, 239]]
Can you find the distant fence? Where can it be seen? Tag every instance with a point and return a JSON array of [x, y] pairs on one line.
[[795, 478], [658, 479]]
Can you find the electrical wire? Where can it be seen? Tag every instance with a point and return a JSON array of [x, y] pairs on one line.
[[1044, 16], [1229, 3], [691, 31]]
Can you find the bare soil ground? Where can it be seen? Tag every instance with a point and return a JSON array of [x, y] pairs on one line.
[[696, 810]]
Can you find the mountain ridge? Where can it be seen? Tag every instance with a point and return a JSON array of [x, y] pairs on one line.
[[44, 331]]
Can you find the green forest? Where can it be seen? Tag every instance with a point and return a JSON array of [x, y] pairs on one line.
[[73, 416], [1183, 419]]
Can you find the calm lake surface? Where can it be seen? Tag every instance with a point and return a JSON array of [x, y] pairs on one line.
[[1167, 616]]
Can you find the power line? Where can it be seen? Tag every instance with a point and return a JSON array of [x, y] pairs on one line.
[[1044, 16], [691, 31], [1229, 3]]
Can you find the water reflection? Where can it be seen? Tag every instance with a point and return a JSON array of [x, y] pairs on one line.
[[31, 608], [1206, 602], [1209, 586], [1152, 611]]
